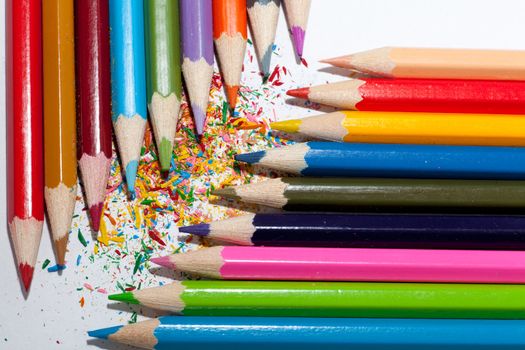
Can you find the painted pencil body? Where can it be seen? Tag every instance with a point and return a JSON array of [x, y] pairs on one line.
[[497, 232], [393, 160], [264, 15], [406, 195], [25, 168], [259, 333], [414, 128], [333, 299], [297, 12], [230, 35], [420, 95], [128, 76], [404, 62], [351, 264], [197, 52], [93, 81], [59, 120], [164, 79]]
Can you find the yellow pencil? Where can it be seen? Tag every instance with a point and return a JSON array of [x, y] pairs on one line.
[[415, 128]]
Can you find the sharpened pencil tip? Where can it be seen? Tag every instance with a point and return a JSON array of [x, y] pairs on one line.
[[298, 34], [336, 61], [250, 158], [95, 213], [290, 126], [231, 95], [227, 192], [131, 175], [163, 261], [126, 297], [26, 274], [199, 230], [165, 154], [104, 333], [299, 93]]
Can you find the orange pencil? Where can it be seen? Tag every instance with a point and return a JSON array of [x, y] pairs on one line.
[[402, 62], [59, 120], [230, 35]]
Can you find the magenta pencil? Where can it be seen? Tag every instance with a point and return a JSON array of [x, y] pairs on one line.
[[351, 264]]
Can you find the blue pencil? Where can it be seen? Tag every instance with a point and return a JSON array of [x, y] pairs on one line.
[[263, 333], [392, 160], [128, 81]]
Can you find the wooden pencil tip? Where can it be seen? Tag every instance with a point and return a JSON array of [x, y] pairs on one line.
[[299, 93], [104, 333], [199, 230], [290, 126], [336, 61], [231, 95], [126, 297], [227, 192], [250, 158], [163, 261], [61, 249], [26, 274], [95, 213]]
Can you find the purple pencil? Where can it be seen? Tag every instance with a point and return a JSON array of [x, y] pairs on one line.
[[297, 12], [197, 55]]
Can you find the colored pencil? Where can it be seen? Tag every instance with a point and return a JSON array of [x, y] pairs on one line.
[[420, 95], [297, 12], [415, 128], [263, 15], [393, 160], [164, 79], [351, 264], [230, 35], [128, 74], [93, 79], [60, 158], [333, 299], [197, 55], [294, 333], [407, 195], [404, 62], [368, 231], [25, 168]]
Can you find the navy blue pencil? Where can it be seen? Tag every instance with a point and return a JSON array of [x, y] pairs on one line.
[[393, 160], [262, 333], [418, 231]]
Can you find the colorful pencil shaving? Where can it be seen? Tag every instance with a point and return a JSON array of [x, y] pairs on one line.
[[128, 73], [405, 195], [93, 102], [420, 95], [411, 127], [260, 333], [368, 231], [164, 79], [404, 62], [60, 138], [333, 299], [351, 264], [25, 168], [393, 160]]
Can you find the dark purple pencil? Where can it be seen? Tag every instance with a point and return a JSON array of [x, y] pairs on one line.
[[369, 231], [197, 55]]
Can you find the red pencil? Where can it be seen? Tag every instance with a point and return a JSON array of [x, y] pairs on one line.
[[420, 95], [93, 101], [25, 169]]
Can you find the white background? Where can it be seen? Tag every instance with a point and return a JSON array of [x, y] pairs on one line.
[[336, 27]]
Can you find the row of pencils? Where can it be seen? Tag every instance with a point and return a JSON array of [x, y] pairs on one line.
[[396, 234], [81, 65]]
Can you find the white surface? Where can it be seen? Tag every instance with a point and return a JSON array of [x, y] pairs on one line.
[[51, 312]]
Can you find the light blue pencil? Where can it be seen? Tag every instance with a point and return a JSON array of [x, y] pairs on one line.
[[335, 159], [263, 333], [128, 81]]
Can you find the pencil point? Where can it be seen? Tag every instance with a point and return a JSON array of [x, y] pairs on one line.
[[26, 274], [299, 93], [336, 61], [290, 126], [131, 175], [200, 120], [231, 95], [165, 153], [126, 297], [61, 249], [95, 213], [250, 158], [104, 333], [227, 192], [265, 63], [199, 230], [163, 261], [298, 40]]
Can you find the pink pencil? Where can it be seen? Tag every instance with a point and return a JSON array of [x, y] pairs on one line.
[[351, 264]]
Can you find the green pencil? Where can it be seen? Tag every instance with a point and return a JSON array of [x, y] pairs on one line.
[[407, 195], [334, 299], [164, 80]]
